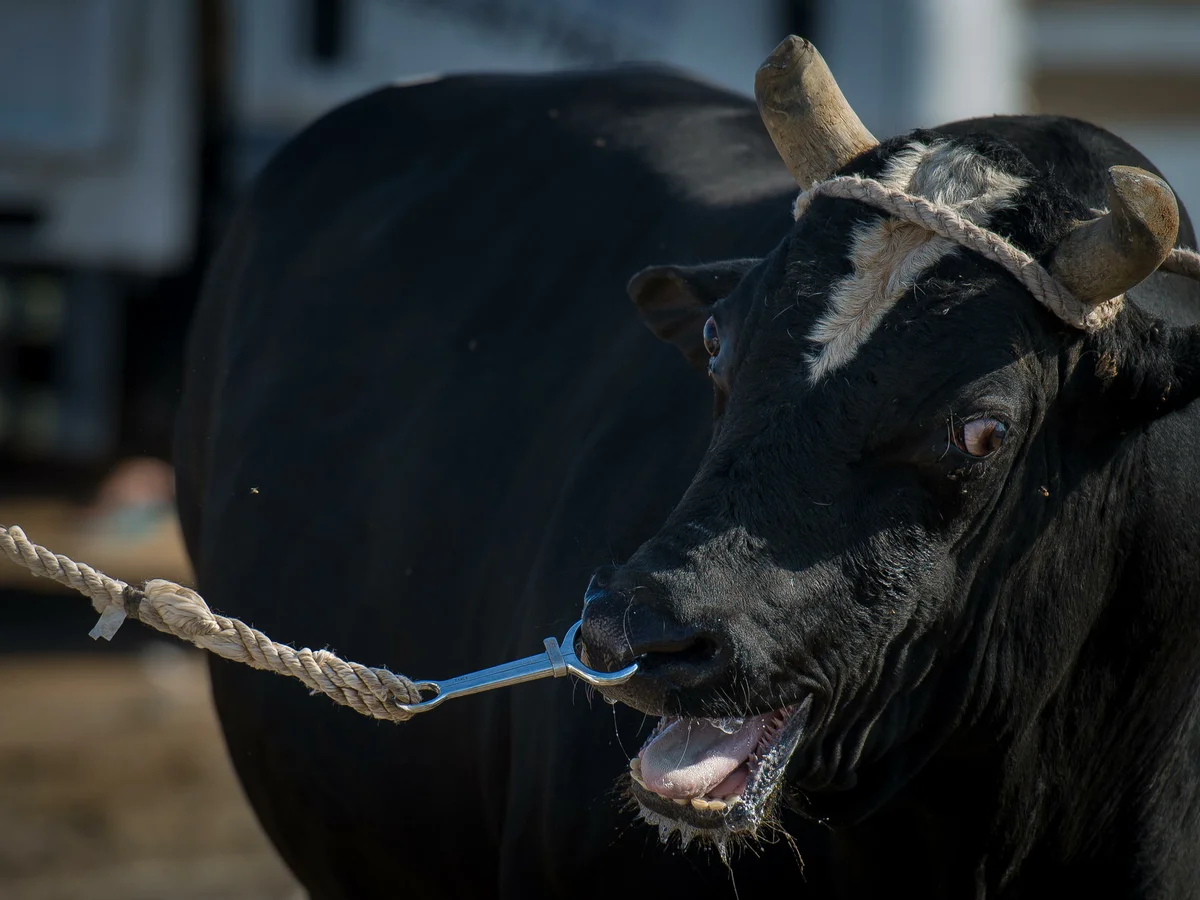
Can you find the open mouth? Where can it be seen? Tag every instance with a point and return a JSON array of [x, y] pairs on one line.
[[715, 775]]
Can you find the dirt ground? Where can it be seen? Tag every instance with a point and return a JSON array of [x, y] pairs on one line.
[[114, 785]]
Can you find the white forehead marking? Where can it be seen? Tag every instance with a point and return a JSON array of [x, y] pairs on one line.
[[889, 255]]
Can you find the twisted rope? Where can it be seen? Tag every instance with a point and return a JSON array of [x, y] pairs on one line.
[[1183, 262], [176, 610], [952, 225]]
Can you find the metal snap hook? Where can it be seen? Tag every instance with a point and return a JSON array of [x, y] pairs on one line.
[[556, 662]]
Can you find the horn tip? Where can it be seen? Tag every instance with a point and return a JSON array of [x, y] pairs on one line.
[[1148, 201], [791, 52]]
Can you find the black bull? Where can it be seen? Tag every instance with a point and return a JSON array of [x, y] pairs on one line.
[[420, 412]]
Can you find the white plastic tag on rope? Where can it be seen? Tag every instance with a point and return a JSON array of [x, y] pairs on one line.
[[108, 623]]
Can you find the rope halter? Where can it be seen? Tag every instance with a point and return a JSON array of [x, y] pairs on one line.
[[950, 224]]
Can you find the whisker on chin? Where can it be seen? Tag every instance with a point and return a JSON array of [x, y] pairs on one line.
[[617, 732]]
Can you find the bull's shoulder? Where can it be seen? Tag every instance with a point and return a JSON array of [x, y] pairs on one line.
[[704, 142]]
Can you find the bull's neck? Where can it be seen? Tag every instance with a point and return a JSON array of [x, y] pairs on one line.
[[1085, 780], [1097, 784]]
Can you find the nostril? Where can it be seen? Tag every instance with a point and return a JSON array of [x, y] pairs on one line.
[[688, 660], [602, 642], [624, 620], [598, 584], [695, 649], [704, 650]]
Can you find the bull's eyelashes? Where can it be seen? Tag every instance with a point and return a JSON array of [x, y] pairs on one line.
[[979, 437]]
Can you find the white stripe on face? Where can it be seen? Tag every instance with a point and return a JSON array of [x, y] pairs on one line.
[[889, 256]]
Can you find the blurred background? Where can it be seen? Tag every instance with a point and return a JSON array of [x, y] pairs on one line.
[[128, 129]]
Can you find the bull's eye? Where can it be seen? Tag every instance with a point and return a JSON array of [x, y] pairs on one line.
[[980, 437], [712, 340]]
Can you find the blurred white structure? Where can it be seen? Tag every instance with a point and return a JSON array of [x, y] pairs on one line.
[[97, 132], [98, 98], [907, 64], [1130, 66]]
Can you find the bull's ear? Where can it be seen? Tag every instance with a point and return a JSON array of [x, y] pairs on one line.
[[676, 300]]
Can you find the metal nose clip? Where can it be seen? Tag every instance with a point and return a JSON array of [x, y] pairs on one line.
[[556, 662]]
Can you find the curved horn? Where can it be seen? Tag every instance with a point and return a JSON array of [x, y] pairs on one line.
[[813, 127], [1103, 258]]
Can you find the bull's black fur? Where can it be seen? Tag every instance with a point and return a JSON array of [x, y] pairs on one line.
[[414, 346]]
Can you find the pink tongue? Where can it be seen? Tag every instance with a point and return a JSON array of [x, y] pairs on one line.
[[690, 757]]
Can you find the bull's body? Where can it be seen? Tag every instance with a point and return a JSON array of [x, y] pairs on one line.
[[420, 412], [417, 347]]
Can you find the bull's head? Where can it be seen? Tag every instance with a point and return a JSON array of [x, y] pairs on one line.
[[906, 505]]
